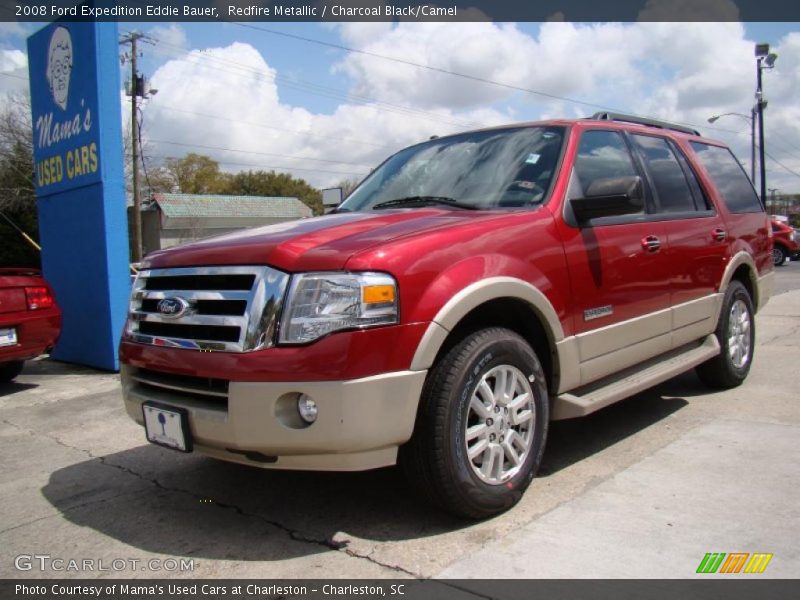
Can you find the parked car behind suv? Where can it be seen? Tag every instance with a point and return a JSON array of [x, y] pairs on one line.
[[471, 289], [784, 243], [30, 319]]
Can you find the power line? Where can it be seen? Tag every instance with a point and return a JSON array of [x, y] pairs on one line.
[[775, 160], [14, 76], [427, 67], [160, 106], [317, 89], [337, 162], [447, 71], [269, 167]]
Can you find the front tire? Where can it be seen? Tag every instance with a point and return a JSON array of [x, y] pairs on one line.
[[10, 370], [736, 333], [481, 427]]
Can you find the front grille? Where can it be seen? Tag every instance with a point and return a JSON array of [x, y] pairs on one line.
[[200, 282], [191, 332], [205, 307], [232, 309]]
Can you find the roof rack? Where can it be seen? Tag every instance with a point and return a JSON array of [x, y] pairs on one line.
[[610, 116]]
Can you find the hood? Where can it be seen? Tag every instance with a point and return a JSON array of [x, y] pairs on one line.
[[320, 243]]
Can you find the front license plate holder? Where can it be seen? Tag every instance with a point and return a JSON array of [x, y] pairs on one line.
[[167, 426]]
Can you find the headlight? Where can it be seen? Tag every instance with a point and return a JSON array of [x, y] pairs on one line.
[[321, 303]]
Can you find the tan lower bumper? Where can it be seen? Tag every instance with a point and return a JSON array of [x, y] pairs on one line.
[[360, 424]]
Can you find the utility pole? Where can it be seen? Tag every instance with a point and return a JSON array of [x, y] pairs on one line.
[[136, 90], [764, 60], [773, 198]]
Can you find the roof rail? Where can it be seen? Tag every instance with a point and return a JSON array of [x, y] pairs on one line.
[[610, 116]]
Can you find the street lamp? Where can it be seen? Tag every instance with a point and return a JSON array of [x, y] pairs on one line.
[[764, 60], [752, 120]]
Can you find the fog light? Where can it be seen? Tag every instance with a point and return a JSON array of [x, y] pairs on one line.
[[307, 408]]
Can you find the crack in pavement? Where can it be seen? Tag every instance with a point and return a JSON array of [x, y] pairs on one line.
[[295, 535]]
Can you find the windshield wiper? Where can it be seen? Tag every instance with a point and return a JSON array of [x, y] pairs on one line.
[[411, 200]]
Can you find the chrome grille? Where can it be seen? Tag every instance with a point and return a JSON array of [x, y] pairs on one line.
[[233, 309]]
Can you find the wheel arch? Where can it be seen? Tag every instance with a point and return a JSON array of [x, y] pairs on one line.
[[742, 268], [498, 301]]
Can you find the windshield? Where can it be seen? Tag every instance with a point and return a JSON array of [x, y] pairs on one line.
[[481, 170]]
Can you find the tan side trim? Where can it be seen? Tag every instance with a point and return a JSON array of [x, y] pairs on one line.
[[596, 368], [695, 319], [604, 340], [606, 350], [569, 364], [470, 298]]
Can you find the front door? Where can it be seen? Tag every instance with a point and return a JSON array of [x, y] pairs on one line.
[[618, 267]]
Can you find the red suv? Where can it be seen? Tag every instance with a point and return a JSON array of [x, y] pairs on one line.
[[30, 320], [784, 243], [472, 288]]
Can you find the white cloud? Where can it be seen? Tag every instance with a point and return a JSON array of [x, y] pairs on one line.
[[171, 40], [685, 72], [13, 72], [236, 85]]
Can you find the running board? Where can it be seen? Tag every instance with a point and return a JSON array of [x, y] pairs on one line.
[[597, 395]]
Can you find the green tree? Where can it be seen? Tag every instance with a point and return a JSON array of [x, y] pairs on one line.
[[17, 198], [194, 174]]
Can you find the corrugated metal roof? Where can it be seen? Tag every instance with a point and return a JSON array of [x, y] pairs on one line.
[[216, 205]]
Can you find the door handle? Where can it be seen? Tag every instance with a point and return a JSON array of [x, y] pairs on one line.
[[651, 243], [719, 235]]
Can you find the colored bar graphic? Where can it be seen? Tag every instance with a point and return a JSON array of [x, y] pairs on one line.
[[734, 562], [758, 563], [711, 562]]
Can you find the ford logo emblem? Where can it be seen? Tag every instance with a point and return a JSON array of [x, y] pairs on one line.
[[172, 308]]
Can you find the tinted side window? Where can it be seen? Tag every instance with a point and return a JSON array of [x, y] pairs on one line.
[[602, 154], [668, 178], [700, 199], [729, 177]]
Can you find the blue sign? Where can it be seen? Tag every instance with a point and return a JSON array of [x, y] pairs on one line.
[[77, 141], [65, 128]]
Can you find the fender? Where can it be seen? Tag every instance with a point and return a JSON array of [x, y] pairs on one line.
[[761, 285], [473, 296]]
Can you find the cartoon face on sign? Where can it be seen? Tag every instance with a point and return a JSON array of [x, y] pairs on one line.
[[59, 65]]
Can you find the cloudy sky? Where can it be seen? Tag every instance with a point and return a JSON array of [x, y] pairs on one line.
[[328, 102]]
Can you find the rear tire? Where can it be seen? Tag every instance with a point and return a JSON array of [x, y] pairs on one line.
[[10, 370], [736, 333], [481, 426]]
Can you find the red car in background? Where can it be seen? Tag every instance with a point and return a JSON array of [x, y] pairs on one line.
[[30, 319], [784, 243]]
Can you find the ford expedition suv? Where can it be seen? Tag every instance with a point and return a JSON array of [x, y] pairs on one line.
[[472, 288], [30, 319]]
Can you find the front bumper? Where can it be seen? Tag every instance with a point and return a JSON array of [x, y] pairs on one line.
[[361, 422]]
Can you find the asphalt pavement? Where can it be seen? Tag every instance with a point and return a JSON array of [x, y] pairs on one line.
[[644, 488]]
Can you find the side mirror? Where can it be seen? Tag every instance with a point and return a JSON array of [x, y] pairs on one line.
[[609, 197]]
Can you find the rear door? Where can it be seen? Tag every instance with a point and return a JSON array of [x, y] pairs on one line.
[[696, 234], [727, 184]]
